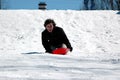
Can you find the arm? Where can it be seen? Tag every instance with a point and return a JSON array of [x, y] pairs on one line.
[[45, 43], [65, 40]]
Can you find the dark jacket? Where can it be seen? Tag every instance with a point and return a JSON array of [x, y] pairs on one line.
[[55, 38]]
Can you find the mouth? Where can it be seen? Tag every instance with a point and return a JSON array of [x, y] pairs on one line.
[[49, 30]]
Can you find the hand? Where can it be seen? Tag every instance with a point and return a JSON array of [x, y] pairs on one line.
[[71, 49]]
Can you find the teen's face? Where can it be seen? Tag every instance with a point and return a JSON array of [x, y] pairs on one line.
[[49, 27]]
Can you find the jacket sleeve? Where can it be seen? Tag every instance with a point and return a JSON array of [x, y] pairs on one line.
[[65, 40], [46, 44]]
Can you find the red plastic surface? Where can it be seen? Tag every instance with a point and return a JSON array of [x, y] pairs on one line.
[[61, 51]]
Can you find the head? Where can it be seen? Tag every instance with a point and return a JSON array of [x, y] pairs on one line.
[[49, 25]]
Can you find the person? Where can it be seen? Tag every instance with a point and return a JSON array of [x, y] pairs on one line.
[[111, 4], [92, 2], [118, 2], [54, 37], [86, 4]]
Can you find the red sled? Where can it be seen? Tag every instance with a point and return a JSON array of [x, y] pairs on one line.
[[60, 51]]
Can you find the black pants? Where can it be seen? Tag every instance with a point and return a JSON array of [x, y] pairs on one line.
[[92, 7]]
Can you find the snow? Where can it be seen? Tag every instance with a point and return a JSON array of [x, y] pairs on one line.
[[94, 36]]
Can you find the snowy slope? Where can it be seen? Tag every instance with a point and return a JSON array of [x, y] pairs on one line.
[[94, 36], [92, 31]]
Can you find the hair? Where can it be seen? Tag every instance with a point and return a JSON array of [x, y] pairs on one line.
[[48, 21]]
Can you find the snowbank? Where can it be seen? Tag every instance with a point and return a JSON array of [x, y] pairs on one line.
[[88, 31], [94, 36]]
